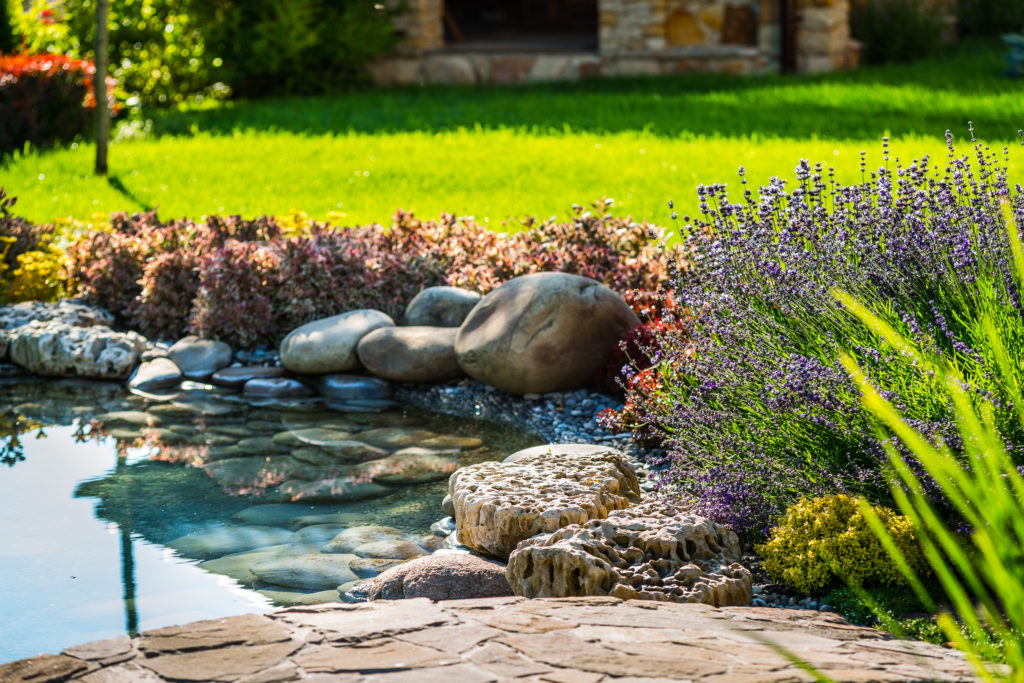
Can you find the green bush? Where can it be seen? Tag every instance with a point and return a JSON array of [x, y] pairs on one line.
[[158, 51], [163, 52], [296, 46], [7, 40], [990, 17], [896, 30], [823, 541]]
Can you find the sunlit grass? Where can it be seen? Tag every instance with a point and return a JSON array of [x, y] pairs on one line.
[[497, 153]]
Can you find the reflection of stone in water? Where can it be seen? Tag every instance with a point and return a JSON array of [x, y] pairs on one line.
[[210, 470]]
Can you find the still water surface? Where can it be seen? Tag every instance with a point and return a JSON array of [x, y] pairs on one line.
[[88, 508]]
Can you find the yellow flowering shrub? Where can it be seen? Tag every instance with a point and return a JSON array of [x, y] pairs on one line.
[[39, 275], [826, 541]]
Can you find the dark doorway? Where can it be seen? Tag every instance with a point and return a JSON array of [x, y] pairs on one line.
[[516, 25]]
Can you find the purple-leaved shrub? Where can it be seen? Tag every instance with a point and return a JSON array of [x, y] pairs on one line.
[[753, 408], [248, 283]]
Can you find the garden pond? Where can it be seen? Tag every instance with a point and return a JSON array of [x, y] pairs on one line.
[[121, 513]]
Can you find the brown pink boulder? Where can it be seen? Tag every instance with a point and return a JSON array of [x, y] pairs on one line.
[[441, 576], [542, 332]]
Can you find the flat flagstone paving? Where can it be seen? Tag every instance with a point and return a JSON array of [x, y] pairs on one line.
[[566, 640]]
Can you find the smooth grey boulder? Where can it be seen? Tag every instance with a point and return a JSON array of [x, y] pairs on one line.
[[329, 345], [440, 307], [236, 378], [542, 332], [411, 354], [199, 358], [155, 376], [355, 388], [56, 349]]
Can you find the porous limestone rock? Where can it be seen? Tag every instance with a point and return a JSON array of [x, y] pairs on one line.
[[542, 332], [411, 354], [56, 349], [329, 344], [497, 505], [67, 311], [648, 552], [440, 307]]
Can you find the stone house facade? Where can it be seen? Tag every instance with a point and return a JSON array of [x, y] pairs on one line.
[[511, 41]]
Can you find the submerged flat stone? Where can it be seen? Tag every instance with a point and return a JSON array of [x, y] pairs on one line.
[[226, 540], [236, 378]]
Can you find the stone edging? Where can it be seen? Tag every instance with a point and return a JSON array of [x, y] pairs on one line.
[[498, 639]]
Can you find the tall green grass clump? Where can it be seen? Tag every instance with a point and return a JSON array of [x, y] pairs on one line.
[[980, 570]]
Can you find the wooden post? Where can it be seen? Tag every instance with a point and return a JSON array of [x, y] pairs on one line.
[[99, 86]]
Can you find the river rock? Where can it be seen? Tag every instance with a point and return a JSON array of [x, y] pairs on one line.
[[238, 565], [276, 387], [497, 505], [155, 376], [310, 571], [316, 535], [396, 437], [317, 436], [55, 349], [337, 489], [411, 354], [368, 567], [290, 598], [355, 388], [442, 576], [258, 473], [646, 552], [273, 514], [351, 451], [440, 307], [390, 550], [226, 540], [409, 466], [559, 448], [199, 358], [329, 345], [236, 378], [542, 332], [129, 418], [349, 539]]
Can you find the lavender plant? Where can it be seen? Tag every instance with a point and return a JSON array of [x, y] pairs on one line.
[[755, 410]]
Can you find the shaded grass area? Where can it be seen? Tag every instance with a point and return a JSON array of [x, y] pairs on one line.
[[529, 150]]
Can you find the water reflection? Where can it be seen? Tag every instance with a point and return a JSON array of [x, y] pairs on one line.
[[286, 503]]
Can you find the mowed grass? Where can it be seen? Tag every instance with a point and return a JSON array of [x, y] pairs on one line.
[[499, 153]]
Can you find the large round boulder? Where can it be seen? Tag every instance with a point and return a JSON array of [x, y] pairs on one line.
[[411, 354], [542, 332], [441, 576], [440, 307]]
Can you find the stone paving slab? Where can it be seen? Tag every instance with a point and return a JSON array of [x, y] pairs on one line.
[[556, 640]]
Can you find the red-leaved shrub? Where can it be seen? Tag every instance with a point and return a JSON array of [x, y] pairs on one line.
[[247, 284], [44, 99]]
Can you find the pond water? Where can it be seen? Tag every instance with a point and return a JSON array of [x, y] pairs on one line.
[[120, 514]]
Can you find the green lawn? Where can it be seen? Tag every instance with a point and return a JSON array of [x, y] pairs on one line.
[[502, 152]]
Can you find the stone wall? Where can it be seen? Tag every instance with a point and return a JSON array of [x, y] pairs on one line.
[[635, 37]]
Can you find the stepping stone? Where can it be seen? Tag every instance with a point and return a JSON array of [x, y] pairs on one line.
[[237, 377]]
